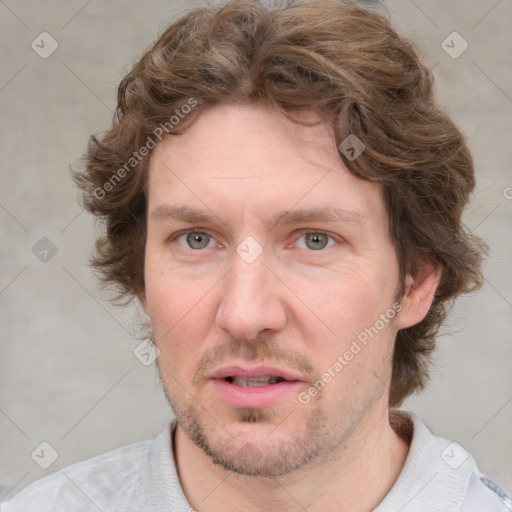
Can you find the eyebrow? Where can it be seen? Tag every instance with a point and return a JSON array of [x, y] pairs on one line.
[[286, 217]]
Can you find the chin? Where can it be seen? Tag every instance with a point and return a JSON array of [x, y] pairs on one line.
[[253, 443]]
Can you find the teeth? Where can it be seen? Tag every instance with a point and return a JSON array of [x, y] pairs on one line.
[[255, 381]]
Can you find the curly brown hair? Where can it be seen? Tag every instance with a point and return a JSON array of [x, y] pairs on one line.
[[345, 63]]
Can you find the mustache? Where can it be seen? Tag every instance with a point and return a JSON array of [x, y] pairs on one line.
[[259, 349]]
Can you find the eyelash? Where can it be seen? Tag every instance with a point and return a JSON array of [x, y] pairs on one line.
[[303, 233], [314, 232]]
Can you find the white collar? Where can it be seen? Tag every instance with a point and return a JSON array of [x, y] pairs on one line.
[[436, 473]]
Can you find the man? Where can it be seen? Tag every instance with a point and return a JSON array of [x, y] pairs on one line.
[[283, 196]]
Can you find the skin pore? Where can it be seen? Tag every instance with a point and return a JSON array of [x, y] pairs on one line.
[[263, 252]]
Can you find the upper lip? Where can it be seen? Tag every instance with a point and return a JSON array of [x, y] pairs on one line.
[[248, 372]]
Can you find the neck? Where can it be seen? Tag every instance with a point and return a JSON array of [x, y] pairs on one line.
[[356, 477]]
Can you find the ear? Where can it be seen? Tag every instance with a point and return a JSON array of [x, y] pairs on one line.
[[419, 294]]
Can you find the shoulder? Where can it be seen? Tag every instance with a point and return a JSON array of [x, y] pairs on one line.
[[484, 494], [107, 482], [439, 471]]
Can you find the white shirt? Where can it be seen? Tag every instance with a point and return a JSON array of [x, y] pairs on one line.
[[437, 476]]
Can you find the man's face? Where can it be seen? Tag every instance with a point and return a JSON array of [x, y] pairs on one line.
[[266, 258]]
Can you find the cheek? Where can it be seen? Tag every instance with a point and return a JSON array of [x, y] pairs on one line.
[[179, 311], [180, 329], [349, 298], [346, 320]]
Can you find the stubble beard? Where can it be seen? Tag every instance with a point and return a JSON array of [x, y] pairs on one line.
[[317, 436], [243, 457]]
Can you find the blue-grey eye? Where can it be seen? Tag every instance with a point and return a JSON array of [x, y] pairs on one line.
[[316, 241], [196, 240]]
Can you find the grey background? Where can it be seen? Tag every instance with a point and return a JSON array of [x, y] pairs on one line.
[[68, 372]]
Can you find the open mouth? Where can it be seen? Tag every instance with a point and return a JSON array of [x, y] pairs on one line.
[[254, 382], [256, 386]]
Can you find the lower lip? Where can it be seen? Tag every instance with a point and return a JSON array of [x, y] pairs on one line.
[[257, 397]]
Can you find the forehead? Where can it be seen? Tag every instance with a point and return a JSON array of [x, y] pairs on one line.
[[238, 158]]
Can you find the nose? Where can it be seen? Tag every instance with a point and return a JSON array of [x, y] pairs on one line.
[[252, 300]]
